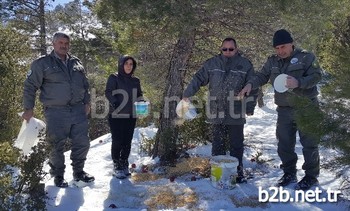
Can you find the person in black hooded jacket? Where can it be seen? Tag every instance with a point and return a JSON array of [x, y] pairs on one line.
[[123, 89]]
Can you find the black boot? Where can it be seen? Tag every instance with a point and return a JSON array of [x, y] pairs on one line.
[[60, 182], [83, 177], [286, 179], [306, 183], [240, 175], [125, 166], [119, 169]]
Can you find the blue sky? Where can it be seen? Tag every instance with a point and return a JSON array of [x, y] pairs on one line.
[[57, 2]]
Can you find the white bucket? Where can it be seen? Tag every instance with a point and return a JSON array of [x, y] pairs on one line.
[[223, 171], [142, 108]]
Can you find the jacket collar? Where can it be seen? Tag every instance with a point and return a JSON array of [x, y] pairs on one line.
[[54, 54]]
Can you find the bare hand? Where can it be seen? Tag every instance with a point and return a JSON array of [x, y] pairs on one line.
[[27, 114], [245, 91], [291, 82]]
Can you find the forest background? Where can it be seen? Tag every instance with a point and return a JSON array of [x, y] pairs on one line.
[[170, 40]]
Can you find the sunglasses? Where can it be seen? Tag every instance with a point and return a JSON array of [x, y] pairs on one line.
[[227, 49]]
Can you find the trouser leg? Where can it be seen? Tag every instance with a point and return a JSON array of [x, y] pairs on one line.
[[311, 154], [57, 132], [117, 135], [122, 132], [218, 141], [80, 145], [129, 126], [236, 138], [286, 136]]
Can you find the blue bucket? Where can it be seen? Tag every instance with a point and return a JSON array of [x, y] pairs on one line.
[[142, 108]]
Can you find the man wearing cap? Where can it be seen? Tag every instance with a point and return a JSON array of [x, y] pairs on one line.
[[303, 75], [64, 93]]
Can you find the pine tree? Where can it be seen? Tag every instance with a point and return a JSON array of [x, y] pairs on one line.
[[29, 16], [173, 38], [336, 91], [14, 50]]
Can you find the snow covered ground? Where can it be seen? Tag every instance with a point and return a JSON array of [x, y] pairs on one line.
[[260, 160]]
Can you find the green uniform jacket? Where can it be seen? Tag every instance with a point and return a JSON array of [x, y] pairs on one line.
[[226, 78], [59, 85], [302, 65]]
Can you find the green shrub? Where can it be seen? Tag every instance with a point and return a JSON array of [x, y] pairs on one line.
[[21, 176]]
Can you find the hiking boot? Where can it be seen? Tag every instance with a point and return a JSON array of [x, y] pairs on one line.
[[60, 182], [120, 174], [286, 179], [83, 177], [306, 183], [124, 164], [119, 170], [240, 175]]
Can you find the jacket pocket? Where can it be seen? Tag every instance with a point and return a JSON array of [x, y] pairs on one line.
[[55, 74], [295, 70]]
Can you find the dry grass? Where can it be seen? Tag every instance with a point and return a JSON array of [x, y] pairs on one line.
[[142, 177], [170, 197], [173, 195], [196, 165]]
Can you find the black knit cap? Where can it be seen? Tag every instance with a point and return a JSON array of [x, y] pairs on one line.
[[281, 37]]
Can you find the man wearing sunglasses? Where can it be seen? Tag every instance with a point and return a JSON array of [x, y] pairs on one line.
[[226, 74], [303, 73]]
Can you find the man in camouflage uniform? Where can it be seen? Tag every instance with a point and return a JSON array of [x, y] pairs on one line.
[[303, 74], [64, 93]]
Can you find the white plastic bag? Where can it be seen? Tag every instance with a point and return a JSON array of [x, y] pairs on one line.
[[28, 134], [186, 110]]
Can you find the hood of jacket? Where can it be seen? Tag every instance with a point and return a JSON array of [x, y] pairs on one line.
[[121, 63]]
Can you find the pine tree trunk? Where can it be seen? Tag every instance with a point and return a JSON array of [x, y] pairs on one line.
[[42, 38], [165, 144]]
